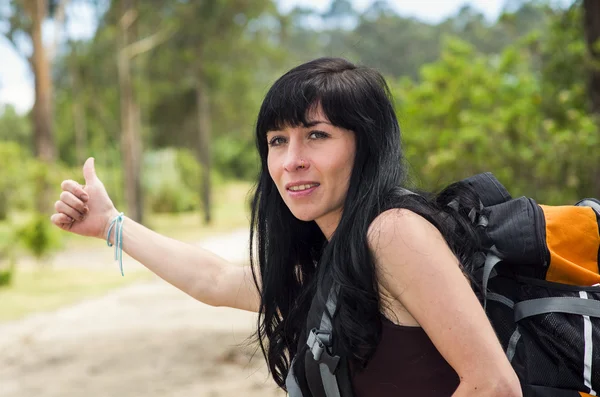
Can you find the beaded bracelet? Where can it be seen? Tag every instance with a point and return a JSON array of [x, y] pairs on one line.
[[118, 221]]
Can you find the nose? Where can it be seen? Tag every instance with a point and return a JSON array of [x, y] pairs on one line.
[[294, 160]]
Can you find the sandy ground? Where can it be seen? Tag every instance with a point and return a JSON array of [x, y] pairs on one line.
[[143, 340]]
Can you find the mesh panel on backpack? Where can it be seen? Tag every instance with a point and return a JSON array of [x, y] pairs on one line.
[[543, 252]]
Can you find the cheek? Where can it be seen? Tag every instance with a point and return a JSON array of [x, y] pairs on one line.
[[274, 169], [345, 172]]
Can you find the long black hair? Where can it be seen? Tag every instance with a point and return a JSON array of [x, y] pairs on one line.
[[292, 258]]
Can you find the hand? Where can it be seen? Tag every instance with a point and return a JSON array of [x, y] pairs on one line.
[[85, 210]]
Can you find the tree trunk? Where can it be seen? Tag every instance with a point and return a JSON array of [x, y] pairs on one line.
[[130, 136], [79, 123], [45, 148], [203, 149], [591, 25]]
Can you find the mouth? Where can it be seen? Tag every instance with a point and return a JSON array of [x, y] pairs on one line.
[[302, 187]]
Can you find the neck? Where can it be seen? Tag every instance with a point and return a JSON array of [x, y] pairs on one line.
[[329, 223]]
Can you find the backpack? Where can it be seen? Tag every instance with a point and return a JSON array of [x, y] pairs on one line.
[[540, 279]]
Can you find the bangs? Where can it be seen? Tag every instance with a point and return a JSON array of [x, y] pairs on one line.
[[288, 105], [291, 100]]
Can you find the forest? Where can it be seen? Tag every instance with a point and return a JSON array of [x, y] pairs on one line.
[[165, 96]]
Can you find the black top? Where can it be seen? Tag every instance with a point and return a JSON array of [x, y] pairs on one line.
[[405, 363]]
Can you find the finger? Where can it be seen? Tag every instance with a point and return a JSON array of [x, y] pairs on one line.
[[62, 207], [89, 171], [73, 202], [75, 188], [61, 219]]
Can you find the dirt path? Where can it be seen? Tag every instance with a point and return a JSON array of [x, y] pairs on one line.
[[232, 246], [145, 340]]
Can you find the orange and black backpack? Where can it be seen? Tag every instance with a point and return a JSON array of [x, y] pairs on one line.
[[540, 289]]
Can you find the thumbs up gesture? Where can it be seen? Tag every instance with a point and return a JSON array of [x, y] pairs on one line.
[[85, 210]]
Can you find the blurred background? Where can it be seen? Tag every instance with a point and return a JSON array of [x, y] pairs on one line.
[[165, 93]]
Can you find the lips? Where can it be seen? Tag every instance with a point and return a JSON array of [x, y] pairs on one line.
[[301, 189], [301, 186]]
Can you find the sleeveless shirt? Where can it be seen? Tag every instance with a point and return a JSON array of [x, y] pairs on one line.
[[405, 363]]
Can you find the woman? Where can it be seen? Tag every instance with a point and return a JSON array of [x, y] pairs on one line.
[[328, 206]]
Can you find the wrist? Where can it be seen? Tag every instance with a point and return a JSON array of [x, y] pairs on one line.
[[109, 218]]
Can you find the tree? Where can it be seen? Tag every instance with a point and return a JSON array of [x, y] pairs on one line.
[[129, 47], [212, 41], [26, 17], [471, 113], [131, 143]]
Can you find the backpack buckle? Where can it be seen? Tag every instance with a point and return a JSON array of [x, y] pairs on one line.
[[318, 342]]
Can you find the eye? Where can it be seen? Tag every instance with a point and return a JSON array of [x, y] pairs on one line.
[[276, 141], [318, 135]]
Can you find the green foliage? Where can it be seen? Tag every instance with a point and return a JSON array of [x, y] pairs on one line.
[[6, 275], [14, 127], [7, 260], [509, 96], [236, 158], [473, 113], [39, 236], [172, 180], [188, 169], [14, 163]]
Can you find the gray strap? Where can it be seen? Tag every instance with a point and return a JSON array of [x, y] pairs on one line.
[[291, 384], [512, 344], [483, 221], [533, 307], [491, 261], [329, 379], [500, 298], [454, 204], [319, 342], [331, 305], [590, 203], [330, 384]]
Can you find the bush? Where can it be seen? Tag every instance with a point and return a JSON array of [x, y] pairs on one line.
[[472, 112], [236, 158], [39, 236], [15, 163], [7, 262], [172, 181], [6, 275]]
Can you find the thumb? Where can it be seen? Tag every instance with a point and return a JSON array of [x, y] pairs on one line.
[[89, 171]]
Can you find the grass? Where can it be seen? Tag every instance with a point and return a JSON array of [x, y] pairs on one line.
[[38, 290], [48, 288]]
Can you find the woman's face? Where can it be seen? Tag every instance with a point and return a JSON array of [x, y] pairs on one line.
[[311, 168]]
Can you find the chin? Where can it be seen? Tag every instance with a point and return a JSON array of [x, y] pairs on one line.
[[303, 216]]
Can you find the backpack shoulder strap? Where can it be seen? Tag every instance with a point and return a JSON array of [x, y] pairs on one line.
[[325, 373], [320, 363]]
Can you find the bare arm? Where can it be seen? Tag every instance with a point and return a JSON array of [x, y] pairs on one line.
[[416, 266], [196, 271], [87, 210]]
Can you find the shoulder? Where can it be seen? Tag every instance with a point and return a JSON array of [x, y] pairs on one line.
[[401, 226], [405, 247]]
